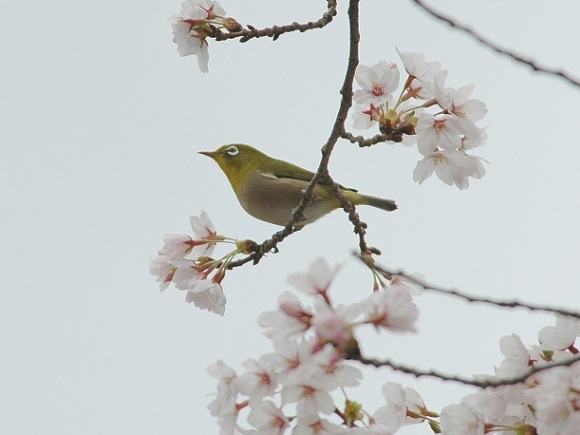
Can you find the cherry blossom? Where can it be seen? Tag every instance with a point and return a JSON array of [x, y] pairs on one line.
[[227, 388], [562, 335], [547, 403], [207, 295], [260, 379], [205, 231], [333, 371], [177, 246], [392, 309], [160, 267], [292, 388], [190, 27], [436, 117], [417, 67], [410, 283], [317, 280], [331, 326], [471, 141], [490, 403], [297, 361], [365, 117], [185, 262], [377, 82], [517, 357], [289, 321], [310, 397], [442, 131], [400, 401], [450, 166], [463, 107], [393, 414], [268, 419], [185, 275], [461, 420], [312, 424]]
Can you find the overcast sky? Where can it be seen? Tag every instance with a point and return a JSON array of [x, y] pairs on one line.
[[100, 122]]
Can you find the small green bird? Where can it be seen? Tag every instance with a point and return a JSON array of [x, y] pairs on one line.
[[269, 189]]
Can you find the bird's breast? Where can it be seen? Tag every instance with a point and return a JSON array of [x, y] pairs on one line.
[[272, 199]]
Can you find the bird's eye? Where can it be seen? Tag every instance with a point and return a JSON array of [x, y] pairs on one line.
[[232, 151]]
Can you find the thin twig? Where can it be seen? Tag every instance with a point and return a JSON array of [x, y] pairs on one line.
[[274, 32], [512, 54], [365, 142], [481, 383], [389, 274]]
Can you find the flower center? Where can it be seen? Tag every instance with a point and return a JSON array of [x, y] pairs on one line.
[[377, 90]]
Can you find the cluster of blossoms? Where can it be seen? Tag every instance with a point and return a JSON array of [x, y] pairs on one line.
[[547, 403], [197, 20], [186, 262], [443, 136], [296, 388], [292, 388]]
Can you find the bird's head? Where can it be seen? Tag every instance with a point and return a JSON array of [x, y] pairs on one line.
[[237, 161]]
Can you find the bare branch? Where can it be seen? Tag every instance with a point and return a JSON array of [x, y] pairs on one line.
[[515, 56], [481, 383], [365, 142], [389, 274], [274, 32]]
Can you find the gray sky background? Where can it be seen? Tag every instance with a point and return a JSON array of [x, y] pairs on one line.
[[100, 121]]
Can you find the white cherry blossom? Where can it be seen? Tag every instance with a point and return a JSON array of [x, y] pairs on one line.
[[416, 66], [377, 83], [188, 28], [227, 391], [461, 420], [393, 309], [562, 335], [268, 419], [318, 279], [450, 166], [260, 379], [517, 357], [207, 295], [291, 320]]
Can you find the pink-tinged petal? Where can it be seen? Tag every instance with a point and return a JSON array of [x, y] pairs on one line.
[[393, 414], [203, 58], [424, 169], [207, 295], [317, 280]]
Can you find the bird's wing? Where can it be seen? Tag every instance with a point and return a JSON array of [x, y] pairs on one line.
[[280, 169]]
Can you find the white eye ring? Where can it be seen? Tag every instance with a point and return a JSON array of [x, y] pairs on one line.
[[232, 151]]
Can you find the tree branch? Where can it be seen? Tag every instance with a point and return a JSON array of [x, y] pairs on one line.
[[515, 56], [489, 381], [365, 142], [274, 32], [389, 274]]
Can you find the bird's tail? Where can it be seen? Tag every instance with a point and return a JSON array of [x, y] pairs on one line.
[[383, 204]]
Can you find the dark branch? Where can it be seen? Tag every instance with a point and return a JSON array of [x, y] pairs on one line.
[[515, 56], [389, 274], [365, 142], [274, 32], [481, 383]]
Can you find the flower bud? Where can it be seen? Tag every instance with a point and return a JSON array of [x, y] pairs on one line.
[[231, 25]]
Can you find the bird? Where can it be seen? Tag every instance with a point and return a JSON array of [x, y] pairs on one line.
[[270, 189]]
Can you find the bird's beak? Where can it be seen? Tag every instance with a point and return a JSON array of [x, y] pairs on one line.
[[211, 154]]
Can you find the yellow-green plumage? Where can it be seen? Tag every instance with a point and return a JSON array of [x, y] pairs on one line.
[[269, 189]]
